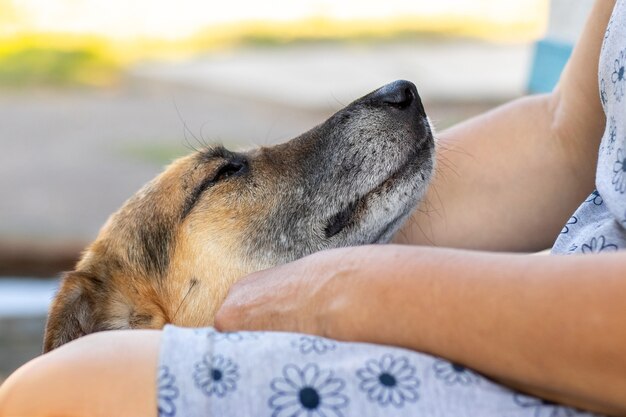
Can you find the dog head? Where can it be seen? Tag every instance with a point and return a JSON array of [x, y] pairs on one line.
[[172, 251]]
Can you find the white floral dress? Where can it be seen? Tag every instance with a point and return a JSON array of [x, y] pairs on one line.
[[248, 374], [202, 372]]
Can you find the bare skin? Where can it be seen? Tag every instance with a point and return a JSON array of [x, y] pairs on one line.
[[507, 181], [100, 375]]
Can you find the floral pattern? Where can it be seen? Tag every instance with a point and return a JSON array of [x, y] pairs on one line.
[[619, 171], [595, 198], [603, 97], [269, 378], [573, 220], [314, 344], [453, 373], [216, 375], [612, 138], [597, 245], [618, 77], [227, 336], [307, 392], [389, 380], [543, 408], [166, 392]]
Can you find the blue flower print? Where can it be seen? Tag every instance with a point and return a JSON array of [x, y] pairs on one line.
[[597, 245], [603, 97], [612, 135], [618, 76], [453, 373], [572, 249], [202, 331], [389, 381], [314, 344], [166, 392], [234, 337], [595, 198], [607, 32], [217, 375], [307, 392], [619, 171], [571, 221], [543, 408]]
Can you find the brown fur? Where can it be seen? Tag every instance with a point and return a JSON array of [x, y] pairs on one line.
[[170, 254]]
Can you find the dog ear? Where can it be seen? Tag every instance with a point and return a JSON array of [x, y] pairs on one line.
[[72, 313]]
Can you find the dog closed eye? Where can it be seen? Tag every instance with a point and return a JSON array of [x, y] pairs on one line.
[[230, 168]]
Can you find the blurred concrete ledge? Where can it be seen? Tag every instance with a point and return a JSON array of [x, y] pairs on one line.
[[20, 297], [32, 259], [320, 76]]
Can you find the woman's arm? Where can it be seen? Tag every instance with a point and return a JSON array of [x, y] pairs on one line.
[[509, 179], [100, 375], [551, 326]]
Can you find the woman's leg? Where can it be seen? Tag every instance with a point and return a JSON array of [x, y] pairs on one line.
[[200, 372], [103, 374], [206, 373]]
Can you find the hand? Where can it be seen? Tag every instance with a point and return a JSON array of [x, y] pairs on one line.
[[304, 296]]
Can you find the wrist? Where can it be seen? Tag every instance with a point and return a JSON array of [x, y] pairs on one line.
[[371, 290], [343, 300], [379, 294]]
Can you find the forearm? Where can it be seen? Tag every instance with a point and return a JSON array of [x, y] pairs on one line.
[[542, 324]]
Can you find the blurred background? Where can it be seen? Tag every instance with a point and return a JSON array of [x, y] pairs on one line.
[[97, 96]]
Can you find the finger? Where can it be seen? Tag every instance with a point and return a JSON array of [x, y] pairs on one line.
[[228, 318]]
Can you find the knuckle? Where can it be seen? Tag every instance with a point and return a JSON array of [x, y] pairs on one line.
[[224, 318]]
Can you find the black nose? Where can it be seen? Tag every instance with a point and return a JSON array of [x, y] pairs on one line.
[[400, 94]]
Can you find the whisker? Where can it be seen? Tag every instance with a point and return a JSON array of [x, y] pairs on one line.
[[267, 139], [337, 100], [186, 128], [205, 143], [194, 282]]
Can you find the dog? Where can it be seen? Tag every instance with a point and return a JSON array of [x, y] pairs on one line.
[[170, 254]]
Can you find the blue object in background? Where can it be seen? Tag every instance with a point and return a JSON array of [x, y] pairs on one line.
[[23, 297], [549, 58]]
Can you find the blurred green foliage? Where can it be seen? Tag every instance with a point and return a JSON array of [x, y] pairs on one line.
[[164, 153], [40, 65], [158, 154]]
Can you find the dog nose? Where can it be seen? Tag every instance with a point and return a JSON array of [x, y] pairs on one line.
[[400, 94]]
